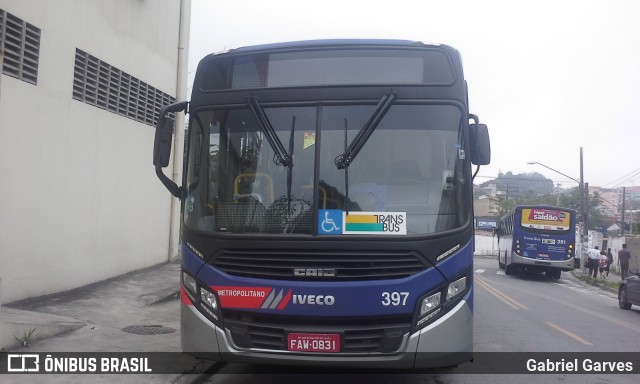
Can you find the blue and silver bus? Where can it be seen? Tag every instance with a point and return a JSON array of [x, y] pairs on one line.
[[537, 239], [327, 205]]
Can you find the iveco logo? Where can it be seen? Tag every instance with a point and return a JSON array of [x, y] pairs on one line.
[[314, 272]]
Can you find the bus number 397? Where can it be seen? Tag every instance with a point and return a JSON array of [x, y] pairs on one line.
[[394, 298]]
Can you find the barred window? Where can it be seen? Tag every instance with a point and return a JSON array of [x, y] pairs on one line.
[[105, 86], [20, 43]]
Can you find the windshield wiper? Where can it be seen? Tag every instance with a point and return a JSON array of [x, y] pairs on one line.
[[350, 153], [290, 165], [283, 157]]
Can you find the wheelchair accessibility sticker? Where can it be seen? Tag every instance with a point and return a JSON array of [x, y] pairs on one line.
[[337, 222], [330, 222]]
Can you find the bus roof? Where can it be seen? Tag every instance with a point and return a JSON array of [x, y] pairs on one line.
[[330, 42], [436, 71]]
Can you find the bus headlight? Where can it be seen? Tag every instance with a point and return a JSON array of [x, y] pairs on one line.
[[189, 284], [430, 303], [203, 299], [456, 288], [209, 302], [440, 300], [429, 307]]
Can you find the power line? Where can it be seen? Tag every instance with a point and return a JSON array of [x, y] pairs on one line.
[[629, 178], [611, 182]]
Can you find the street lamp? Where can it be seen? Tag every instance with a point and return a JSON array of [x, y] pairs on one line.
[[576, 180], [580, 184]]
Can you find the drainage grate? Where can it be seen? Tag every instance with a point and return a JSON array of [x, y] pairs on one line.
[[148, 329]]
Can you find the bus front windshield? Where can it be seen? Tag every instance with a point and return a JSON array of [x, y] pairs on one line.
[[414, 162]]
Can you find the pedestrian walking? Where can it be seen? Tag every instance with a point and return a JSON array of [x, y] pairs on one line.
[[609, 261], [603, 261], [592, 261], [623, 260]]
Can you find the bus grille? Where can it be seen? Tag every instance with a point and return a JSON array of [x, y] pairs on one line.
[[338, 266], [359, 335]]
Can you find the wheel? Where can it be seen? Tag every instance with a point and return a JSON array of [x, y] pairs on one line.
[[622, 298], [508, 269], [557, 273], [549, 274], [500, 263]]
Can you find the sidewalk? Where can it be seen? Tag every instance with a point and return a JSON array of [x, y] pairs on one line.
[[613, 278], [136, 312]]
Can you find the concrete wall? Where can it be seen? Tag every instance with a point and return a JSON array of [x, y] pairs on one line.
[[633, 245], [80, 199], [486, 244]]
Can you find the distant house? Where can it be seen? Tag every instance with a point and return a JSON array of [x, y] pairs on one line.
[[486, 206]]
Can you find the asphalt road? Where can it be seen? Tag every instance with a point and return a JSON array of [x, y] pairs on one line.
[[528, 313]]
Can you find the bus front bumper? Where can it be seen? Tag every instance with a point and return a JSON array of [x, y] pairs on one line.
[[446, 342], [565, 265]]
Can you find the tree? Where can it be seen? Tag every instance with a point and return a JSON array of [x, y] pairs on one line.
[[571, 200], [505, 205], [635, 223], [596, 218]]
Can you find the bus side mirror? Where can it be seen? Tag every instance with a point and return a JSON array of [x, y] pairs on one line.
[[480, 145], [162, 145], [164, 134]]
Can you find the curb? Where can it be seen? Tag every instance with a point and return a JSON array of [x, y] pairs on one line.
[[593, 284], [161, 296]]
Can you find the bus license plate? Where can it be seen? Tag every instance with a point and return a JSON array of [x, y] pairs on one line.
[[313, 342]]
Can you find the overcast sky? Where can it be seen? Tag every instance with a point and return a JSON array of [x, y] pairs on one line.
[[547, 77]]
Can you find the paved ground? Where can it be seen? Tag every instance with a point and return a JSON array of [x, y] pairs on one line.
[[102, 317]]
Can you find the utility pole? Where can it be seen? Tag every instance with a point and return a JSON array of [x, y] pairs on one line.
[[586, 209], [583, 210], [624, 193]]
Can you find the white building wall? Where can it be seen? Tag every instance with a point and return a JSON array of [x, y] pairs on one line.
[[486, 244], [80, 201]]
